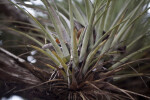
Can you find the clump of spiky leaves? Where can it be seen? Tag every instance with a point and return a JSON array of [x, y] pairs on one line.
[[94, 49]]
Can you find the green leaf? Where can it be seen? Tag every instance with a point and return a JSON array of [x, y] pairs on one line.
[[107, 33], [129, 57], [107, 14], [62, 63], [89, 8], [101, 20], [121, 12], [87, 36], [99, 4], [119, 77], [43, 29], [128, 24], [78, 15], [26, 35], [45, 53], [59, 28], [135, 41], [90, 57], [74, 51], [112, 35]]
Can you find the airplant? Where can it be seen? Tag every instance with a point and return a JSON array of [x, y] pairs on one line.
[[91, 46]]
